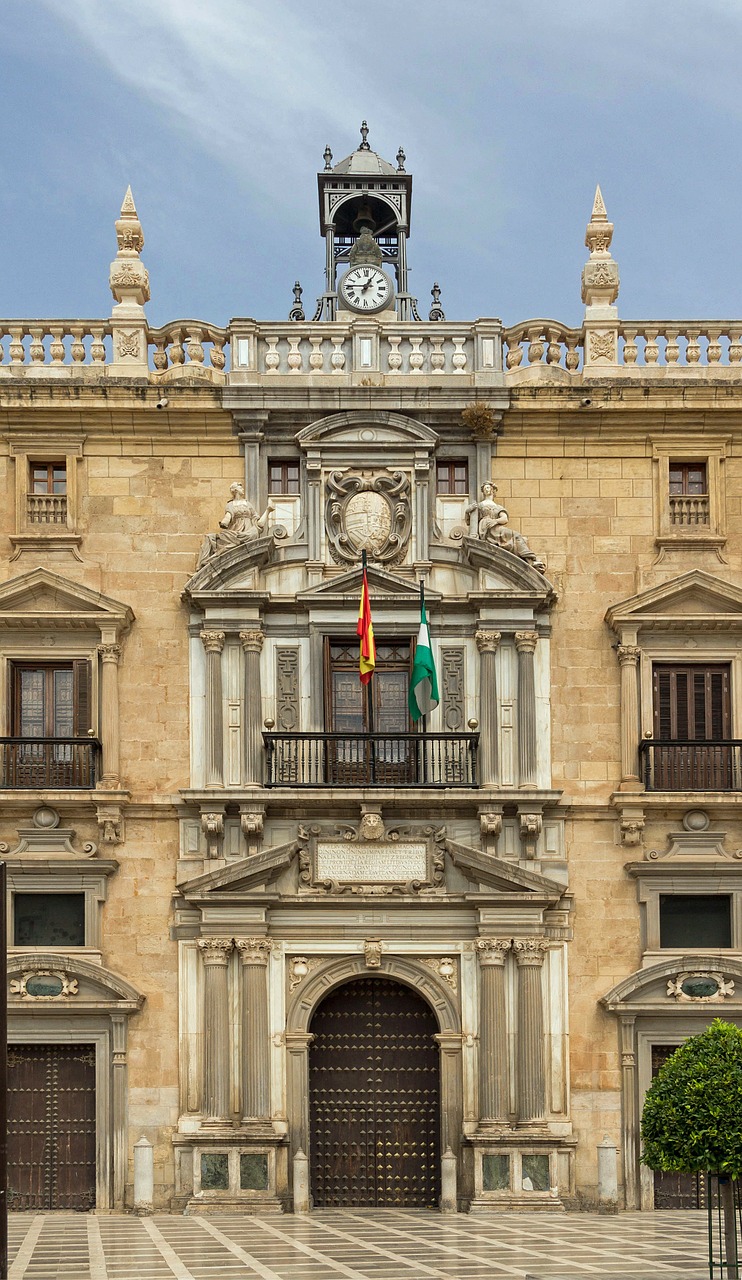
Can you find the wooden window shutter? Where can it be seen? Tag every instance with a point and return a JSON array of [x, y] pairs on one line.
[[83, 691]]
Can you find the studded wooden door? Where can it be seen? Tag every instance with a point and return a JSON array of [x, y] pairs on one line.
[[676, 1190], [51, 1126], [374, 1098]]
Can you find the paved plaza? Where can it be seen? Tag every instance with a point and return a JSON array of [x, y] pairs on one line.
[[382, 1244]]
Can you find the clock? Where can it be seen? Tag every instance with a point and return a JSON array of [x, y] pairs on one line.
[[365, 289]]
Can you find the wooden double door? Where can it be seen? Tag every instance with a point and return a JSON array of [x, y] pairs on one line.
[[374, 1098], [354, 711], [51, 1126]]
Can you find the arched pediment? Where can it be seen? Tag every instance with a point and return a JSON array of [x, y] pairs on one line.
[[86, 987], [379, 426], [505, 576], [646, 990], [693, 600], [335, 972], [41, 598]]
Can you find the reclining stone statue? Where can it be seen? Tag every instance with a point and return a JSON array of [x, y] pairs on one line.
[[239, 525], [492, 526]]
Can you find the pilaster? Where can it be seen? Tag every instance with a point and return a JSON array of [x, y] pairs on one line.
[[252, 646], [628, 657], [525, 643], [487, 642], [630, 1111], [110, 655], [213, 642]]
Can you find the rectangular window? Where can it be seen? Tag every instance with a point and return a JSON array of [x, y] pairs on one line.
[[688, 478], [691, 703], [452, 477], [50, 701], [689, 493], [283, 476], [49, 920], [695, 920], [47, 492]]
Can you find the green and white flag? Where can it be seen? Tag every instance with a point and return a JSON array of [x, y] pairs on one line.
[[424, 682]]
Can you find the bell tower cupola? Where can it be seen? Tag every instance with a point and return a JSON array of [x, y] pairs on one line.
[[364, 209]]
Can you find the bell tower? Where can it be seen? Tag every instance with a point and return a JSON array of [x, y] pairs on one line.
[[364, 209]]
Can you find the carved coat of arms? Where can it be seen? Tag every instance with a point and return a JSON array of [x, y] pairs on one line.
[[370, 513]]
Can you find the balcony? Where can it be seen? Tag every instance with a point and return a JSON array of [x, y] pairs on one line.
[[61, 764], [434, 760], [685, 765]]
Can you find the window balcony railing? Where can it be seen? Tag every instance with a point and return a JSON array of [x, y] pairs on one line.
[[686, 765], [689, 509], [61, 763], [371, 759]]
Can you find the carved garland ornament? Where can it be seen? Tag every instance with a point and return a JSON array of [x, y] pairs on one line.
[[368, 513]]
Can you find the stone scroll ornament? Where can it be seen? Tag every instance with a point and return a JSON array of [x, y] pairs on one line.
[[370, 513], [492, 527]]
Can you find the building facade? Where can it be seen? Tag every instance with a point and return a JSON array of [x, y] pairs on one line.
[[313, 953]]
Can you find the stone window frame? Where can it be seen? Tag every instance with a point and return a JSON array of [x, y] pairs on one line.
[[713, 452], [665, 877], [29, 534], [88, 876]]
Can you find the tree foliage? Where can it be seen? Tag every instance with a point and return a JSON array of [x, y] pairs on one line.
[[692, 1119]]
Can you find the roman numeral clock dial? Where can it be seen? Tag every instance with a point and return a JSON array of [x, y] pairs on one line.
[[365, 289]]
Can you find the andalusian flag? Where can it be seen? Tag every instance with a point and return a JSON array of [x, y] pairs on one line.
[[365, 629], [423, 697]]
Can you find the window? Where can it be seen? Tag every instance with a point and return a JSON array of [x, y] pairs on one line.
[[695, 920], [452, 477], [47, 476], [689, 490], [47, 492], [49, 920], [283, 476], [689, 495], [692, 713], [50, 715]]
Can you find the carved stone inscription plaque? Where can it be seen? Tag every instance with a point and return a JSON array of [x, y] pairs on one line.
[[380, 863]]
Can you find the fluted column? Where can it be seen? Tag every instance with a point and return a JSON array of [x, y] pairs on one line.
[[216, 953], [213, 642], [110, 655], [487, 642], [494, 1094], [628, 657], [255, 953], [531, 1084], [525, 643], [252, 646]]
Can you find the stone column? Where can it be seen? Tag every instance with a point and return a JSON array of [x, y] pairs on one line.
[[628, 657], [630, 1112], [531, 1082], [525, 643], [255, 953], [487, 642], [213, 642], [109, 687], [494, 1094], [252, 646], [119, 1099], [216, 1101]]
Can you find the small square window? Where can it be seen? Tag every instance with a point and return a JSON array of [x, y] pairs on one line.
[[48, 477], [695, 920], [495, 1173], [283, 476], [452, 477], [49, 920], [688, 478]]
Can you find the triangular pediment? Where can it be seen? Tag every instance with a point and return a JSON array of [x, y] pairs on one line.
[[495, 873], [695, 595], [382, 585], [41, 595], [364, 428], [249, 873]]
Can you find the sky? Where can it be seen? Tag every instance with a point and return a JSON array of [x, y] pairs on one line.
[[218, 114]]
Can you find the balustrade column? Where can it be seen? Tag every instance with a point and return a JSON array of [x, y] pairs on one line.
[[628, 657], [525, 643], [216, 953], [213, 642], [494, 1093], [252, 647], [531, 1083], [255, 953], [487, 642], [109, 684]]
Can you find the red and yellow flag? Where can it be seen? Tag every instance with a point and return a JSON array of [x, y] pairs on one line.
[[365, 629]]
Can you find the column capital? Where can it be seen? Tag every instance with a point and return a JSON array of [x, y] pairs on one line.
[[254, 950], [530, 952], [628, 654], [487, 641], [213, 641], [216, 951], [492, 951], [110, 653], [252, 641], [526, 641]]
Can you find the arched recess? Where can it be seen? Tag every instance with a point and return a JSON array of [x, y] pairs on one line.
[[93, 1007], [334, 973]]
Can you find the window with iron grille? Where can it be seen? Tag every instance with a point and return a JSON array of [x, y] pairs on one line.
[[283, 476], [452, 477]]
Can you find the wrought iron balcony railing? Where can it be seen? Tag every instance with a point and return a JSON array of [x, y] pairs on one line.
[[61, 763], [371, 759], [686, 765]]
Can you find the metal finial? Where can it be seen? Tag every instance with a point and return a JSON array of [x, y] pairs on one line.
[[436, 311], [401, 157], [297, 311], [364, 134], [328, 157]]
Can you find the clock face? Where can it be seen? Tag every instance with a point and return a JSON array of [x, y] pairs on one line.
[[365, 288]]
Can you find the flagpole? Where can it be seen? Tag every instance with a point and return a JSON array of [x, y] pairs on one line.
[[424, 718], [370, 700]]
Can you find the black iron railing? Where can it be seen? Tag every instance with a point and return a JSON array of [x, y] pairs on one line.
[[371, 759], [65, 763], [685, 765]]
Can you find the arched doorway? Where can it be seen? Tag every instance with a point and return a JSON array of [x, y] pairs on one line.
[[374, 1097]]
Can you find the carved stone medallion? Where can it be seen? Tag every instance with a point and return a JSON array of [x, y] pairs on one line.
[[370, 513]]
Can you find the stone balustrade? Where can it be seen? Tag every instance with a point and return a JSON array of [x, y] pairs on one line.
[[188, 344], [543, 342], [682, 344], [53, 346]]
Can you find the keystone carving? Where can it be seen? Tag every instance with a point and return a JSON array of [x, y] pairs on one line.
[[372, 953]]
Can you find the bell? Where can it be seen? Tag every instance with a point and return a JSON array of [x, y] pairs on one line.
[[364, 218]]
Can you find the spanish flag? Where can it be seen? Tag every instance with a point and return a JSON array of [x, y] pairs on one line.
[[365, 629]]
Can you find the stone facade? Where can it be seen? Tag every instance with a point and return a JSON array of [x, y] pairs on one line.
[[243, 840]]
